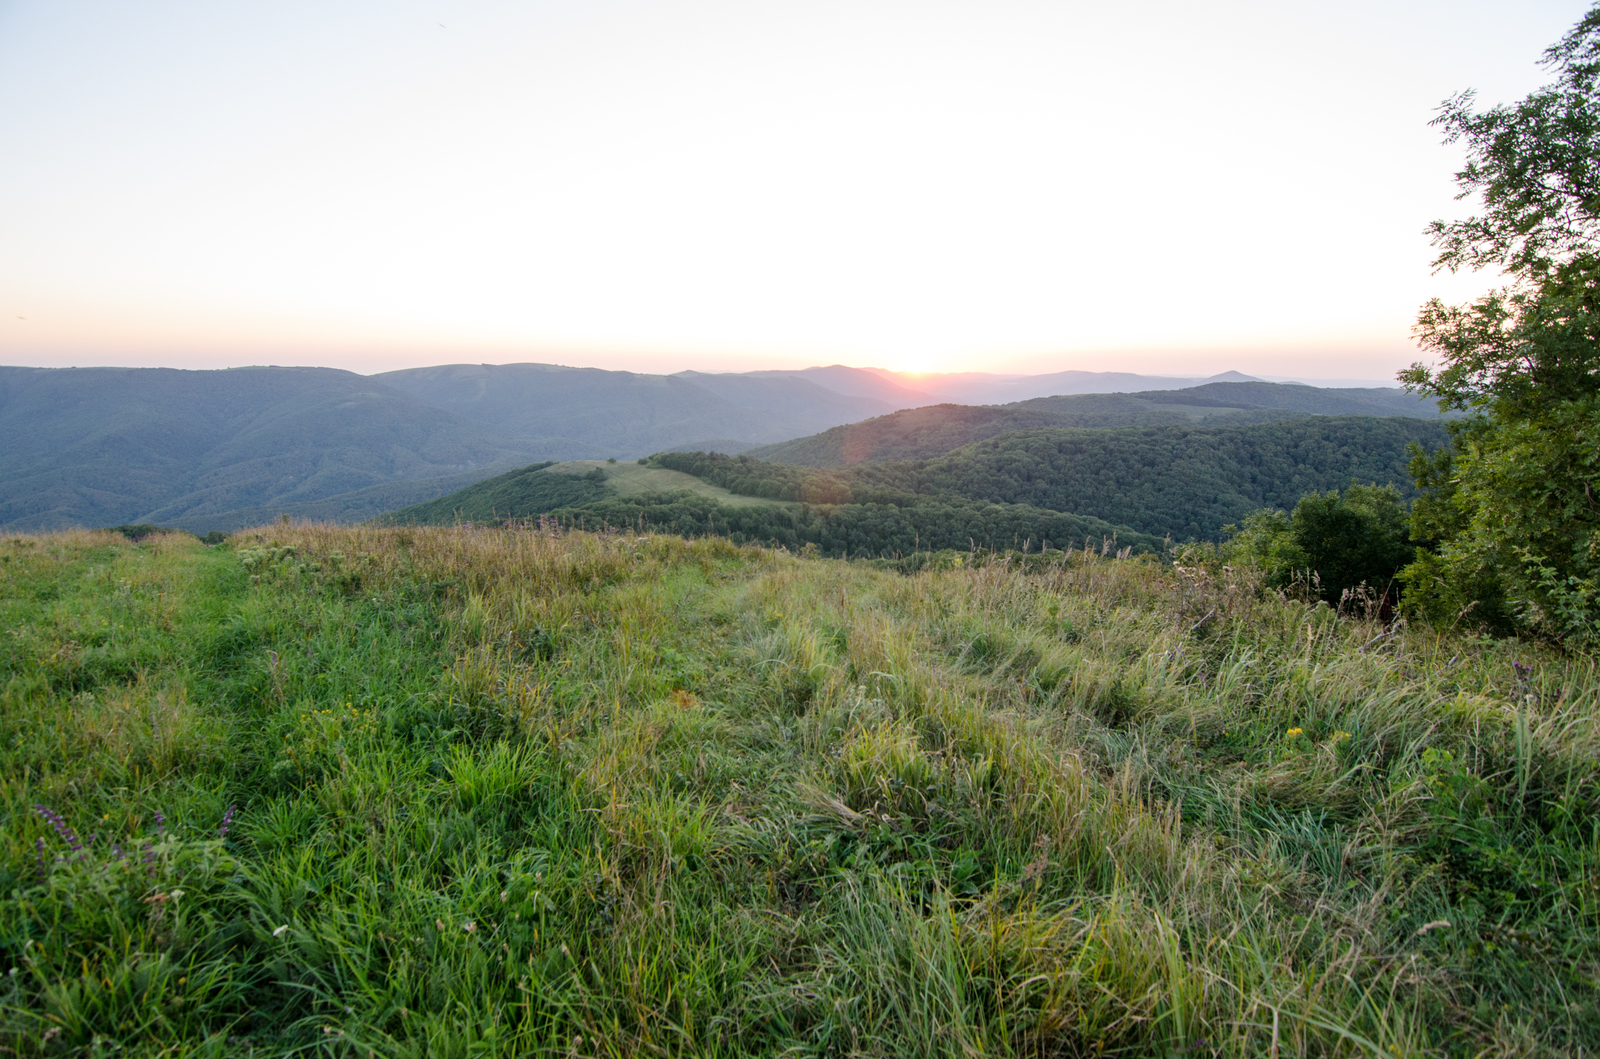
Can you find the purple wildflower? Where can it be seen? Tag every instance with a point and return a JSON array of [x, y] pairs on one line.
[[38, 849], [227, 821], [161, 821], [68, 836]]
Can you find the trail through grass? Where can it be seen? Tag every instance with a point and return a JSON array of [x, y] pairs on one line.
[[477, 792]]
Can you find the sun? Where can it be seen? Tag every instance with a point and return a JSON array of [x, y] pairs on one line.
[[912, 364]]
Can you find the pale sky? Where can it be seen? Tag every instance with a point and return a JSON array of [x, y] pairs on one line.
[[997, 185]]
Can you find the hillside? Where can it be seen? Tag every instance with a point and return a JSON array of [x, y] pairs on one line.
[[923, 433], [981, 387], [662, 498], [546, 487], [1187, 481], [208, 450], [1183, 481], [434, 792], [104, 446]]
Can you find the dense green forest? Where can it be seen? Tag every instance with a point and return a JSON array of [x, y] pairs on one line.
[[517, 494], [866, 530], [897, 524], [923, 433], [1186, 481], [1139, 484]]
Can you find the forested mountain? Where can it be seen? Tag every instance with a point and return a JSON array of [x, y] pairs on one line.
[[1314, 400], [221, 449], [922, 433], [1141, 483], [598, 494], [1187, 481], [981, 387], [586, 413], [103, 446]]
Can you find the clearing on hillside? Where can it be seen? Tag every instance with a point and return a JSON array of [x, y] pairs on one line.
[[633, 479]]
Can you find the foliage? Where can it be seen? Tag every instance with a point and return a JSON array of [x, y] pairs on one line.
[[864, 530], [1184, 481], [1335, 543], [511, 793], [517, 494], [1513, 505], [1136, 485], [924, 433]]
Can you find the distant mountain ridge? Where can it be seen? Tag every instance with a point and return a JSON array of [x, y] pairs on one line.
[[222, 449], [104, 446], [1140, 484], [588, 413], [924, 433]]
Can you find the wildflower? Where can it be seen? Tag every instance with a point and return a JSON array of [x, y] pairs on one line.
[[278, 931], [439, 923], [1296, 731], [227, 821], [68, 836], [469, 926], [1339, 737]]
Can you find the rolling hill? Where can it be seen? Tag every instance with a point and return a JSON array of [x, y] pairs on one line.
[[208, 450], [655, 497], [923, 433], [1140, 484], [214, 449], [586, 413]]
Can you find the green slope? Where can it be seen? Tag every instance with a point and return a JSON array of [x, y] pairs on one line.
[[545, 487], [923, 433], [1186, 481], [660, 498]]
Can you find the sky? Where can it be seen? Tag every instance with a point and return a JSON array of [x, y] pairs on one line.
[[997, 185]]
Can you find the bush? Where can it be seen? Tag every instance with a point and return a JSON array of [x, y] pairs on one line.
[[1334, 542]]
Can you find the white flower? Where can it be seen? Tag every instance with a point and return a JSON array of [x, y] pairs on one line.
[[280, 930]]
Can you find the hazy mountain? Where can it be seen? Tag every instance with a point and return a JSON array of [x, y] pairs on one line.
[[923, 433], [1186, 480], [587, 413], [221, 449], [103, 446], [861, 382], [977, 387]]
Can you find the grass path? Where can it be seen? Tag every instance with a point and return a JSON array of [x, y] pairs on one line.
[[505, 793]]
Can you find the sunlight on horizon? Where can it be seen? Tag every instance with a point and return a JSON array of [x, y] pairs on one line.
[[1011, 187]]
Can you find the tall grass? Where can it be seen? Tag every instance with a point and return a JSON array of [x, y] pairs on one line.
[[513, 792]]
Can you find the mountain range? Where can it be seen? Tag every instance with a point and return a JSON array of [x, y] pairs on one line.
[[221, 449]]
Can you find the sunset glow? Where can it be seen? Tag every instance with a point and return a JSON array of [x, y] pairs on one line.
[[1003, 187]]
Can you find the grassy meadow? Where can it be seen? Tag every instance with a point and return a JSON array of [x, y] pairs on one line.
[[456, 792]]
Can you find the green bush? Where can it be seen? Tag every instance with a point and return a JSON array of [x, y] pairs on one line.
[[1335, 543]]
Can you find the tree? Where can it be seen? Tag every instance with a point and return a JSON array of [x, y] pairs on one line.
[[1334, 542], [1512, 507]]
